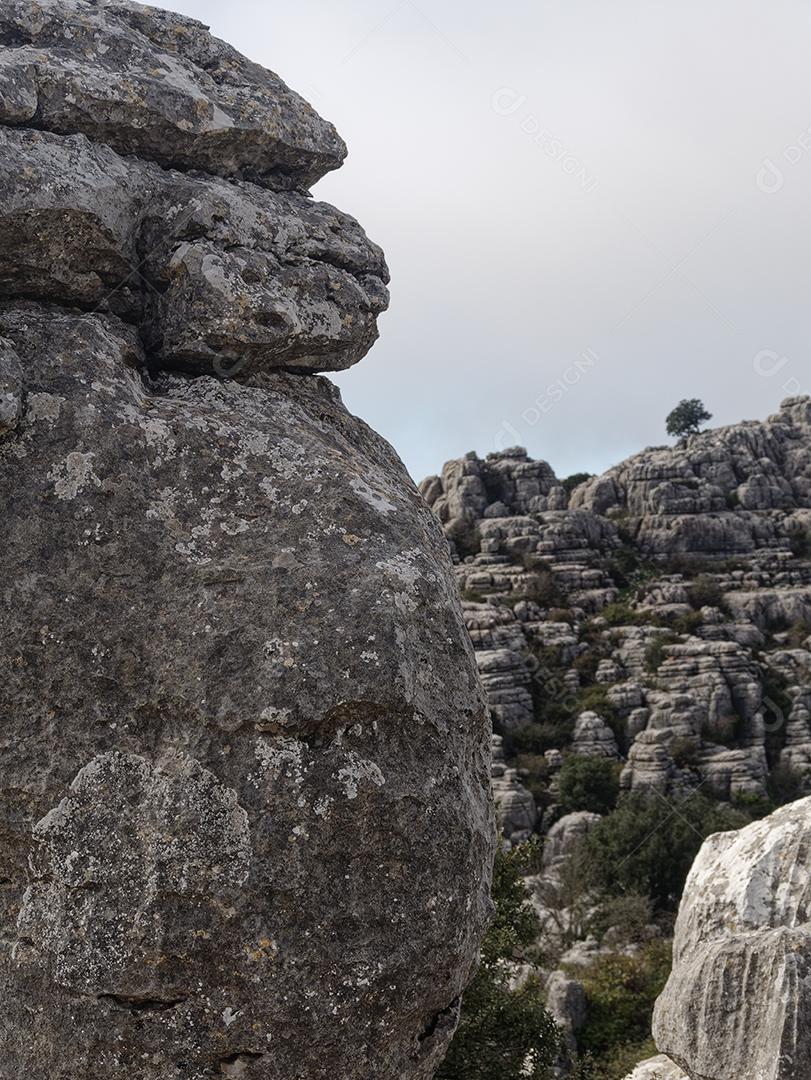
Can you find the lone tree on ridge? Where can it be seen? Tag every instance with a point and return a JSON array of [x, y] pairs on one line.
[[687, 418]]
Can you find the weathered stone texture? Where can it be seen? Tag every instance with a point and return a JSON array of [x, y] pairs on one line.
[[156, 84], [738, 1001], [220, 276], [245, 797]]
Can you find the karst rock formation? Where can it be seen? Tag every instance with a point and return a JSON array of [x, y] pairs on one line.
[[672, 593], [244, 800], [659, 617]]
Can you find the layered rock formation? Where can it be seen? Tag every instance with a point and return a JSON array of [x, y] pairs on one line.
[[738, 1002], [673, 594], [658, 616], [244, 801], [731, 491]]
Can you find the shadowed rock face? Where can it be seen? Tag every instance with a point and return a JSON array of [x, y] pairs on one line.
[[738, 1003], [244, 804]]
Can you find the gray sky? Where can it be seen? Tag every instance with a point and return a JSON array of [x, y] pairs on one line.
[[590, 210]]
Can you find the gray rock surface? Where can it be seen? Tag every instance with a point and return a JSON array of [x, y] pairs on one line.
[[738, 1001], [516, 813], [729, 491], [593, 737], [245, 799], [156, 84], [688, 661], [220, 276], [244, 589], [659, 615], [567, 1001], [563, 838]]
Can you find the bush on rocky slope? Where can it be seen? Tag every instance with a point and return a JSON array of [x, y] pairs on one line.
[[621, 991], [504, 1032], [587, 783], [647, 845]]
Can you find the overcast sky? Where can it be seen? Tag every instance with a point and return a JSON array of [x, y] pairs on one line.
[[591, 210]]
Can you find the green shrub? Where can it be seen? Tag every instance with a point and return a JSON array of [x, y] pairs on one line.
[[536, 739], [648, 844], [466, 536], [501, 1029], [534, 773], [726, 730], [627, 916], [586, 665], [621, 991], [777, 705], [587, 783], [784, 785], [620, 1061], [705, 592], [575, 480], [756, 806], [622, 615], [684, 752], [733, 499], [798, 633], [472, 596], [542, 589], [687, 624], [562, 615], [800, 542], [656, 652]]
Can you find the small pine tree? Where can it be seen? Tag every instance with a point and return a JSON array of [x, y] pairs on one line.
[[687, 418]]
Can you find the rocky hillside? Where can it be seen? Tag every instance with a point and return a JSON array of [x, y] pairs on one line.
[[244, 794], [644, 638]]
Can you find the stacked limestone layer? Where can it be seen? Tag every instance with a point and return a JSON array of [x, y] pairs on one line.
[[728, 492], [536, 567], [245, 796]]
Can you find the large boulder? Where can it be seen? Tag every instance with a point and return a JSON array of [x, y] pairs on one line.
[[738, 1003], [245, 805]]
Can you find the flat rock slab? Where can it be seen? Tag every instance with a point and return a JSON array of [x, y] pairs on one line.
[[157, 85]]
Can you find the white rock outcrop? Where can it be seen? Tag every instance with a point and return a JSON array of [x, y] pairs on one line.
[[657, 1068], [737, 1005]]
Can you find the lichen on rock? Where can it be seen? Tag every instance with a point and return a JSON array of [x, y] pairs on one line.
[[245, 801]]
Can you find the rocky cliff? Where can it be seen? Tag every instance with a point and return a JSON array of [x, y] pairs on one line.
[[662, 610], [244, 800], [644, 639]]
